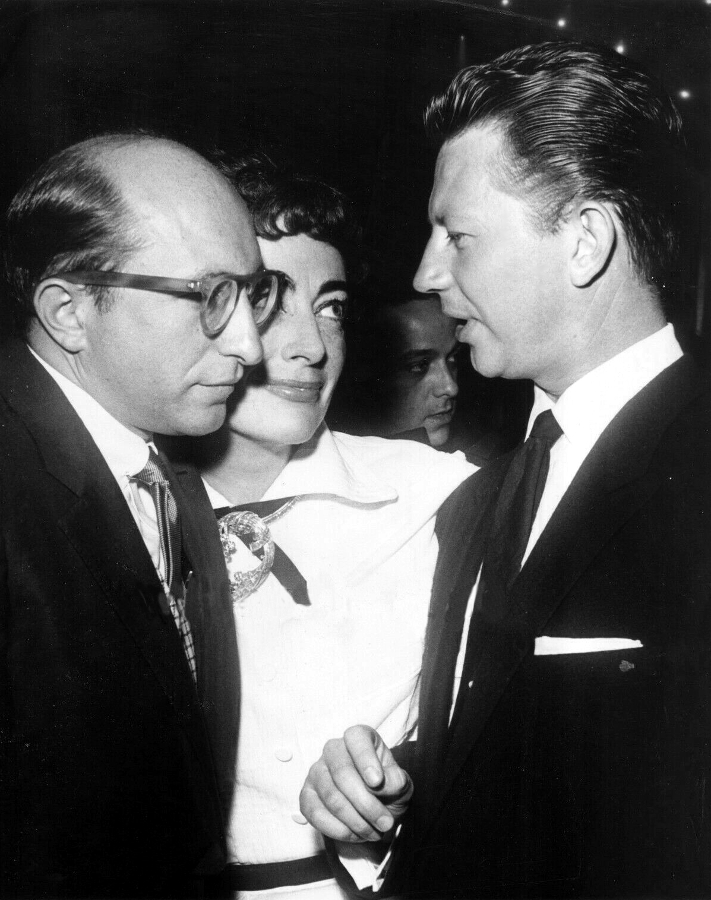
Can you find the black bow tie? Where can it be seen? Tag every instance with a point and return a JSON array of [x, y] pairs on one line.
[[283, 568]]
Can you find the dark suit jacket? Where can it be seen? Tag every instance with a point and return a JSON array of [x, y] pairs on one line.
[[115, 771], [580, 775]]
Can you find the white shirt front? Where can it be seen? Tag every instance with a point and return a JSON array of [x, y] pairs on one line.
[[124, 452], [588, 406], [583, 412], [362, 535]]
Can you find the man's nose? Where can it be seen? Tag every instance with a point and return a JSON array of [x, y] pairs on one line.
[[240, 337], [446, 384], [302, 337], [431, 274]]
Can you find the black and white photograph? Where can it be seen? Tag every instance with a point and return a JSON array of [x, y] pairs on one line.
[[355, 449]]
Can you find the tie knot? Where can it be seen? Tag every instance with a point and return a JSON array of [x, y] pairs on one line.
[[546, 428], [152, 472]]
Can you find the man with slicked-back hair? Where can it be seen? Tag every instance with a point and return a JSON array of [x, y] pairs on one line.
[[563, 746], [130, 264]]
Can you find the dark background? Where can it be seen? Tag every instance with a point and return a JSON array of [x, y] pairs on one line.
[[335, 86]]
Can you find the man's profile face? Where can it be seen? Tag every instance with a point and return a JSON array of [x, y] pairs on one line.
[[147, 360], [423, 380], [491, 266]]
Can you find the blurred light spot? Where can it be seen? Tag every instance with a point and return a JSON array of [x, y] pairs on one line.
[[620, 48], [561, 23], [684, 95]]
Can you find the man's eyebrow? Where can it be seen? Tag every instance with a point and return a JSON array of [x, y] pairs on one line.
[[426, 352], [204, 275], [457, 221], [223, 273], [335, 284]]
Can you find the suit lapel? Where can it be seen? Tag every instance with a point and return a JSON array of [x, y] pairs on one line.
[[461, 529], [87, 505], [209, 607], [617, 477], [101, 530], [193, 551]]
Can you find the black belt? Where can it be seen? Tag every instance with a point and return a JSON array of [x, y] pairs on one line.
[[264, 876]]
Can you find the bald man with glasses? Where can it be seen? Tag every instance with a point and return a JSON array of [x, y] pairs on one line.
[[136, 284]]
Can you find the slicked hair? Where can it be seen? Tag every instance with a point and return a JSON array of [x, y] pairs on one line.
[[68, 215], [577, 121], [284, 203]]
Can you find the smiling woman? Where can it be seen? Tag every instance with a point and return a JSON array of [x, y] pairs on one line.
[[329, 542], [285, 399]]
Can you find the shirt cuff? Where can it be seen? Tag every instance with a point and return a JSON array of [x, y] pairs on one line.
[[364, 864]]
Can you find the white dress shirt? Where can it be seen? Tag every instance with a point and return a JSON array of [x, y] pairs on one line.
[[583, 412], [124, 452], [362, 535]]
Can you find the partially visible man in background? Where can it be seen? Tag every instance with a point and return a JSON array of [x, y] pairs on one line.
[[565, 707], [118, 663], [401, 369]]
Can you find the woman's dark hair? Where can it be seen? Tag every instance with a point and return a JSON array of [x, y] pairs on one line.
[[578, 121], [68, 215], [284, 203]]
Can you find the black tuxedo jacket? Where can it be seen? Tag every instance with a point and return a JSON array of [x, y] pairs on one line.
[[577, 775], [115, 770]]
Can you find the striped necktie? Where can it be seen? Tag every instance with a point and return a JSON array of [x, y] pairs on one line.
[[168, 521]]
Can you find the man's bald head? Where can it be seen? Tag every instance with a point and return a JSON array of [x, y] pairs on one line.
[[155, 173], [89, 205], [135, 204]]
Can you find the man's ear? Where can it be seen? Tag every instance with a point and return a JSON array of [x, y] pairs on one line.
[[60, 307], [595, 237]]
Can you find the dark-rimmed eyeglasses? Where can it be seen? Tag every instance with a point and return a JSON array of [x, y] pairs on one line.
[[220, 294]]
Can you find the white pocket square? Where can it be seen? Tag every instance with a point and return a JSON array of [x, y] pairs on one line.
[[549, 646]]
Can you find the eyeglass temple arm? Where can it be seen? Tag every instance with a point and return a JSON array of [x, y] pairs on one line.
[[126, 279]]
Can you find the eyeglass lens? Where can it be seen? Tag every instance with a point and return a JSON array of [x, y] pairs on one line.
[[262, 294], [225, 295]]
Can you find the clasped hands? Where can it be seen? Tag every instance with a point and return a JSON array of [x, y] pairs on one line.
[[356, 791]]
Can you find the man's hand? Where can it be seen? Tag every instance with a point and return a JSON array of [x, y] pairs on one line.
[[356, 791]]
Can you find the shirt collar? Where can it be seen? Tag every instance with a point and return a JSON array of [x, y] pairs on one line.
[[586, 408], [125, 452], [320, 468]]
